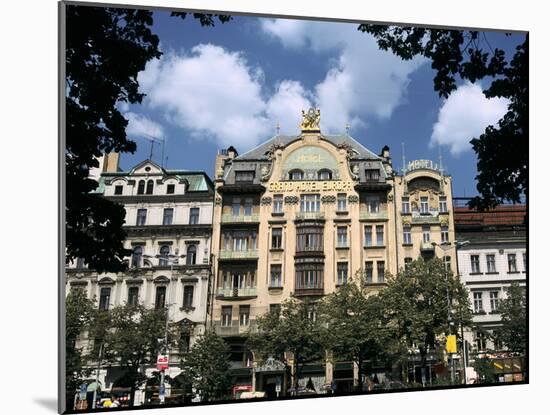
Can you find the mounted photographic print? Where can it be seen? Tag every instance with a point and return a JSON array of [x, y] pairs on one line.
[[263, 208]]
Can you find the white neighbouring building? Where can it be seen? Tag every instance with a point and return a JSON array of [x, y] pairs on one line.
[[169, 226], [494, 256]]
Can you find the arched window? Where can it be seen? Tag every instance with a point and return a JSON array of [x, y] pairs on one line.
[[136, 256], [191, 258], [150, 187], [164, 252], [141, 187], [296, 174], [324, 174]]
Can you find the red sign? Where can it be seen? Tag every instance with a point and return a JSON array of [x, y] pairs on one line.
[[162, 362]]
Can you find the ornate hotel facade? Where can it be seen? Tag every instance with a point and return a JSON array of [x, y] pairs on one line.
[[300, 215]]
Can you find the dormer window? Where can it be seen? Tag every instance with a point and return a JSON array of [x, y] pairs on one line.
[[170, 189], [141, 187], [118, 189], [296, 175], [244, 176], [324, 174], [150, 187], [372, 175]]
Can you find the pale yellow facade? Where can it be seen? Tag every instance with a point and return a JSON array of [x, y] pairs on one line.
[[321, 194]]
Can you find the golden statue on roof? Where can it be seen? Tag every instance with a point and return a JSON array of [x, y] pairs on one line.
[[310, 120]]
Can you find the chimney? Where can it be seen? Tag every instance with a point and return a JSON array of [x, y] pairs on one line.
[[110, 163], [221, 158]]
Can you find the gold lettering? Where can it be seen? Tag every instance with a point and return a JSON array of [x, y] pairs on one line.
[[310, 186]]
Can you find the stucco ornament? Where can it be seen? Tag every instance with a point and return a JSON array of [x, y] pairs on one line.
[[310, 120]]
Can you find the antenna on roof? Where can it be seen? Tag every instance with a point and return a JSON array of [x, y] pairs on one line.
[[347, 128], [403, 156], [278, 127], [153, 141]]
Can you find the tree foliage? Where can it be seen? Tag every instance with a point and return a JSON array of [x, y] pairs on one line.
[[106, 49], [353, 326], [293, 330], [502, 151], [79, 311], [206, 367], [424, 302], [513, 310], [134, 337]]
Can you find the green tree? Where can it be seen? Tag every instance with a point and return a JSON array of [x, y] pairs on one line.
[[79, 311], [485, 370], [502, 151], [206, 367], [106, 48], [513, 310], [295, 330], [423, 302], [353, 327], [132, 340]]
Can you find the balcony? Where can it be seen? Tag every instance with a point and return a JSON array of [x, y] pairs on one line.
[[425, 218], [373, 216], [232, 255], [230, 218], [310, 215], [236, 293], [300, 292]]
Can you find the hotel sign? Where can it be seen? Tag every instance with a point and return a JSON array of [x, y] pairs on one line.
[[311, 186], [422, 164]]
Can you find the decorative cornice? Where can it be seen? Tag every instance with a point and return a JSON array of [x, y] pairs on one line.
[[291, 200], [198, 196], [266, 200], [326, 199], [353, 199]]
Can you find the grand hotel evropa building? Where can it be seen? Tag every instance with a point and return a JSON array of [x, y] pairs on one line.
[[298, 216]]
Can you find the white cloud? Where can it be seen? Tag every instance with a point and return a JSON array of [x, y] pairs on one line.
[[216, 94], [465, 115], [142, 126], [286, 105], [210, 91], [364, 82]]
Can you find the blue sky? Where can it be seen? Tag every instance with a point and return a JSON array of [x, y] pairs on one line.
[[232, 84]]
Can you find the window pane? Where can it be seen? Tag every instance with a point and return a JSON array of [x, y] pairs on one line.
[[368, 235], [405, 207], [188, 291], [168, 216], [342, 272], [379, 235], [194, 216], [141, 217], [380, 270], [369, 271], [276, 277]]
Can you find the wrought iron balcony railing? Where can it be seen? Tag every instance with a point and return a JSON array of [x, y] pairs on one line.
[[230, 218], [248, 254]]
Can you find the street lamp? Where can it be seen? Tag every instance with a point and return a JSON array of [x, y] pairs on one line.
[[172, 259], [446, 246]]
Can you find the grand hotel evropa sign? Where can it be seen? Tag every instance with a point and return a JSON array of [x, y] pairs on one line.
[[311, 186]]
